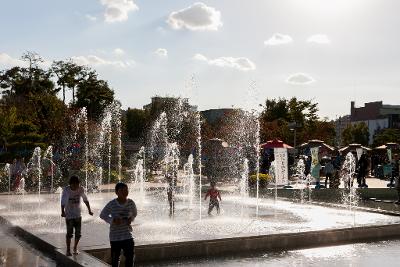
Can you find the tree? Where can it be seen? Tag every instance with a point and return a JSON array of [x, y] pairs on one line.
[[68, 75], [136, 122], [25, 138], [277, 115], [31, 114], [19, 83], [8, 118], [356, 133], [386, 136], [52, 117], [94, 94], [322, 130]]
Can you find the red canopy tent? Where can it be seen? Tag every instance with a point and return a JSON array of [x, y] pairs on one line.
[[274, 144]]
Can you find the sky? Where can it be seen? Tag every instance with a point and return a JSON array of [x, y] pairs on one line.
[[226, 53]]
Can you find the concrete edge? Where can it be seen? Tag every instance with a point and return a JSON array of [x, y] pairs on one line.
[[343, 206], [243, 245], [49, 250]]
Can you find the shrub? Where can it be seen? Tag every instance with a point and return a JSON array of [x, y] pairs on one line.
[[264, 179]]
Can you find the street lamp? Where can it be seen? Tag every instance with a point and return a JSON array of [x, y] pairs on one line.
[[294, 137], [293, 127]]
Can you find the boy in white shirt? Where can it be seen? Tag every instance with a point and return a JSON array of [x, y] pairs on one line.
[[71, 210]]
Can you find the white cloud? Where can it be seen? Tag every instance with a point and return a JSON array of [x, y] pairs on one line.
[[8, 61], [319, 39], [97, 61], [117, 10], [118, 52], [90, 17], [197, 17], [239, 63], [300, 79], [162, 52], [200, 57], [278, 39]]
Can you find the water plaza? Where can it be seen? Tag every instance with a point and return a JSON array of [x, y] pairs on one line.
[[288, 214], [200, 133]]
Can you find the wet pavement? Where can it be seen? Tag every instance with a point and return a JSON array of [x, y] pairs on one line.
[[41, 216], [385, 253], [15, 253]]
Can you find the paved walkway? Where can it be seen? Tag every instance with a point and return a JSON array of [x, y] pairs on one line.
[[376, 183], [371, 181]]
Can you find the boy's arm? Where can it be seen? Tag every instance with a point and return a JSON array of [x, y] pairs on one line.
[[88, 207], [207, 194], [63, 202], [134, 213], [105, 214], [219, 196], [86, 201]]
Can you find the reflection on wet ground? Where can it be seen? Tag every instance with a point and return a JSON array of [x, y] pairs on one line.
[[14, 253], [41, 216], [385, 253]]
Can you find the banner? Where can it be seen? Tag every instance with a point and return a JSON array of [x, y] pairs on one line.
[[281, 166], [359, 151], [389, 154], [314, 156]]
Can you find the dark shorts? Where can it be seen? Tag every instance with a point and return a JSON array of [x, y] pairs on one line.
[[213, 203], [72, 224], [128, 247]]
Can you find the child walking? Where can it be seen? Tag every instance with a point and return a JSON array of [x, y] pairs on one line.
[[120, 213], [71, 210], [214, 194]]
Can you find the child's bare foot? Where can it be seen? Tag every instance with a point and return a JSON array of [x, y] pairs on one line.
[[76, 251], [68, 253]]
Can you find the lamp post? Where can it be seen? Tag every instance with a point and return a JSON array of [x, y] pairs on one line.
[[293, 127], [294, 137]]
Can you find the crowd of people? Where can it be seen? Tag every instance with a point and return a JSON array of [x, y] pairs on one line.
[[24, 177], [17, 171], [334, 169]]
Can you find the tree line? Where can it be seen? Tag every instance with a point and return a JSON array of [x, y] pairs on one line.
[[32, 115]]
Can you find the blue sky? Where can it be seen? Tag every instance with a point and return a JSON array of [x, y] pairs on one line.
[[239, 52]]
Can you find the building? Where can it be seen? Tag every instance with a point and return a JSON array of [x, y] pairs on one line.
[[341, 123], [376, 116], [159, 103], [214, 115]]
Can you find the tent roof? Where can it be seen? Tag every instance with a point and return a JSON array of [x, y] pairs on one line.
[[388, 145], [274, 144], [315, 142], [354, 146]]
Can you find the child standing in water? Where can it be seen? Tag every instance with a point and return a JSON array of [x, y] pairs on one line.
[[214, 195], [120, 213], [171, 195], [71, 210]]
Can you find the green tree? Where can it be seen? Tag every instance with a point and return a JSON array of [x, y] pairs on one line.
[[31, 113], [356, 133], [387, 136], [52, 117], [8, 118], [278, 116], [69, 74], [25, 138], [136, 123], [94, 94], [19, 83]]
